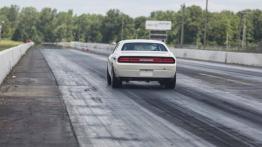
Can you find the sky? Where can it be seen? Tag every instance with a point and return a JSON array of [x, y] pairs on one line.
[[133, 8]]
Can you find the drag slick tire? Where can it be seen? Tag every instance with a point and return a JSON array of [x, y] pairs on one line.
[[108, 78], [113, 81], [170, 84]]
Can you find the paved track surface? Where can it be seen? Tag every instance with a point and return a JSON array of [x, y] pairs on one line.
[[212, 105], [32, 111]]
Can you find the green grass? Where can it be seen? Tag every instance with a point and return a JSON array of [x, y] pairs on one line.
[[5, 44]]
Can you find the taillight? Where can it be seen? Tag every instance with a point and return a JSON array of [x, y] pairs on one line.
[[123, 59], [166, 60]]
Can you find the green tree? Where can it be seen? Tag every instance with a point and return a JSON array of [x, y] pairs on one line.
[[46, 24], [26, 28], [193, 26], [140, 31], [223, 28], [64, 26], [88, 28], [111, 26], [255, 18], [9, 16]]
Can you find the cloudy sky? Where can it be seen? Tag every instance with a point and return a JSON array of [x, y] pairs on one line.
[[133, 7]]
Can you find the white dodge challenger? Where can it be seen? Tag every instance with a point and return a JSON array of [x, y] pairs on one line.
[[141, 60]]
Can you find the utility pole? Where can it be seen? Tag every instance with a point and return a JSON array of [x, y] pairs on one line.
[[240, 31], [182, 25], [206, 25], [122, 28], [1, 26], [243, 43], [228, 28], [227, 41], [0, 31], [136, 33]]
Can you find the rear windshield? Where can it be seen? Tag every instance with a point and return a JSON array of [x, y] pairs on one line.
[[143, 47]]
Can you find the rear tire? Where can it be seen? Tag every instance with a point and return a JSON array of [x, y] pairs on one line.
[[109, 81], [171, 84], [116, 82]]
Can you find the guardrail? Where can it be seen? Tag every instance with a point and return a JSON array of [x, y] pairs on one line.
[[9, 58], [250, 59]]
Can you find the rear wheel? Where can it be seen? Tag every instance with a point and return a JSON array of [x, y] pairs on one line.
[[116, 82], [171, 84], [109, 81]]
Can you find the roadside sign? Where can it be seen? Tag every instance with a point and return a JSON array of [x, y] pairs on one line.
[[158, 25], [158, 29]]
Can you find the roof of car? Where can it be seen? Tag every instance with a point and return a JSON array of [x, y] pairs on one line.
[[141, 40]]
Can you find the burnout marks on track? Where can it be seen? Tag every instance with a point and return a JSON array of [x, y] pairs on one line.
[[107, 117], [193, 122], [92, 120]]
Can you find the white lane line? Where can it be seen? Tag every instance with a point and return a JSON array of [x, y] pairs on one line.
[[226, 79]]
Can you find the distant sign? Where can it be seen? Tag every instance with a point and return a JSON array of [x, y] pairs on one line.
[[158, 25]]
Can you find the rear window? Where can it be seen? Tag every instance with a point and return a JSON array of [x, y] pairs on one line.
[[143, 47]]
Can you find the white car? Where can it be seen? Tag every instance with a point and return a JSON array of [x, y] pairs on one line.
[[141, 60]]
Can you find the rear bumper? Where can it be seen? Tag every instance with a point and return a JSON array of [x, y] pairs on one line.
[[143, 79], [145, 71]]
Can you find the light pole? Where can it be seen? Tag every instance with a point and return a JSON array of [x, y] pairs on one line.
[[122, 28], [2, 22], [0, 31], [137, 33], [182, 26], [244, 31], [206, 23]]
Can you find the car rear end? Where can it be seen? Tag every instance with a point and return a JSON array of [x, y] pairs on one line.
[[142, 67], [145, 65]]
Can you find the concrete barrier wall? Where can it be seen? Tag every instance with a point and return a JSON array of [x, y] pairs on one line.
[[244, 59], [99, 48], [215, 56], [250, 59], [9, 58]]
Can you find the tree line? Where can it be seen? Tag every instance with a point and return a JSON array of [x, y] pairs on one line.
[[225, 28]]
